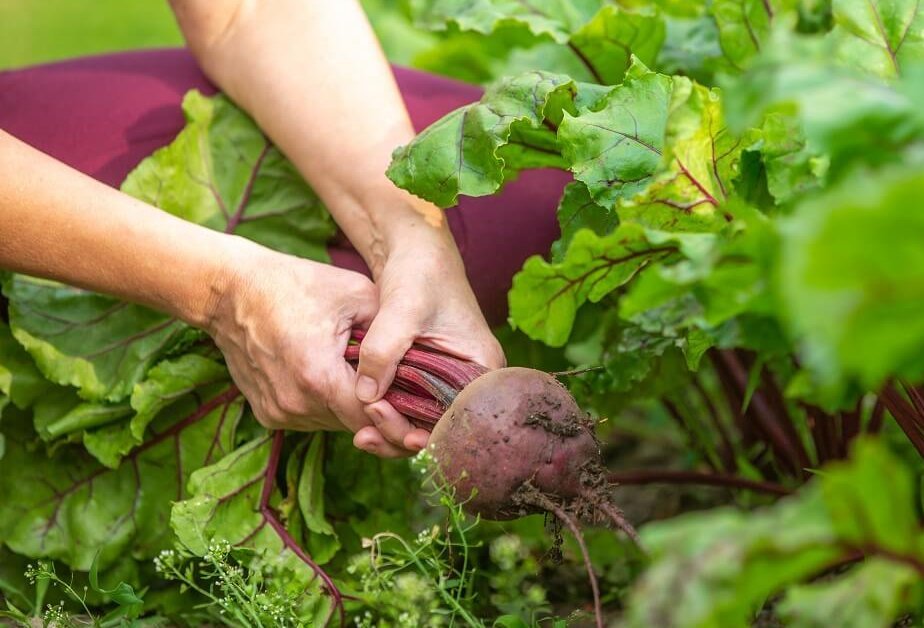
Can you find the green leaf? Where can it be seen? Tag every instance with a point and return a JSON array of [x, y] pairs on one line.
[[122, 594], [166, 383], [222, 172], [83, 416], [658, 148], [225, 507], [459, 154], [857, 316], [169, 381], [556, 19], [879, 36], [607, 43], [224, 501], [70, 508], [576, 211], [717, 568], [322, 539], [868, 596], [792, 170], [745, 24], [847, 117], [864, 511], [616, 147], [698, 166], [691, 47], [92, 342], [545, 297], [20, 379], [110, 443]]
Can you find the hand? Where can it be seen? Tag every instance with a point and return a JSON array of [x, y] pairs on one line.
[[283, 324], [425, 297]]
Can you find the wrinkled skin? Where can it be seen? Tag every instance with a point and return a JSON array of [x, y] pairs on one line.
[[509, 427]]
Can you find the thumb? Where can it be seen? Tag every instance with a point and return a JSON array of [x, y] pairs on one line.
[[385, 343]]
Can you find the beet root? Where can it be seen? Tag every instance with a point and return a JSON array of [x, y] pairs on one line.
[[512, 442], [509, 427]]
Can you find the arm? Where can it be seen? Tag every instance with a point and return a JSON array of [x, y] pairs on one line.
[[313, 76], [59, 224]]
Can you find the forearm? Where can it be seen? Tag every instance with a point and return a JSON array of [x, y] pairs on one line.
[[313, 76], [59, 224]]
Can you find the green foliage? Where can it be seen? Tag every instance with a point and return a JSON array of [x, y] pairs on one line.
[[591, 40], [460, 154], [740, 256], [882, 37], [740, 243], [717, 568], [858, 315], [234, 592]]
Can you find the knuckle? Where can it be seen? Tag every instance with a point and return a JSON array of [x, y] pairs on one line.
[[361, 288]]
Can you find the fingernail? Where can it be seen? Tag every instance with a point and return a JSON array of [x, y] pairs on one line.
[[366, 388]]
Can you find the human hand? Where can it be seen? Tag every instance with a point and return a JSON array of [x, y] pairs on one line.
[[424, 297], [283, 324]]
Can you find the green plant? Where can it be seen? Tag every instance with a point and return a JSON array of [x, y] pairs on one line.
[[235, 591], [739, 270]]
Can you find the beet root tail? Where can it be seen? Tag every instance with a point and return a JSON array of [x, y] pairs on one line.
[[619, 520], [541, 501]]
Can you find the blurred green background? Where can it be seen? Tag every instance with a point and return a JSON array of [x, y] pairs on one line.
[[37, 31]]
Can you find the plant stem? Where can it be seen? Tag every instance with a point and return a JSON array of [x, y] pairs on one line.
[[727, 452], [876, 417], [679, 476], [904, 414], [678, 418], [269, 516], [782, 435]]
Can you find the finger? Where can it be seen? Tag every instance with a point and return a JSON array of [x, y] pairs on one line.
[[491, 354], [383, 347], [370, 440], [364, 301], [416, 439], [393, 425], [343, 402]]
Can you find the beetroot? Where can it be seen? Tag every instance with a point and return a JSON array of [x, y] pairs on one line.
[[511, 442], [508, 428]]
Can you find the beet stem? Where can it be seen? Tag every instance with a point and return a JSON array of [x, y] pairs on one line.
[[423, 412], [455, 372], [269, 516], [433, 385]]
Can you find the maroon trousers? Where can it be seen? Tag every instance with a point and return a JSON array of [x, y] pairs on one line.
[[102, 115]]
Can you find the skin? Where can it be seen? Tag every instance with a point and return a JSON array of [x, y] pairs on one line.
[[313, 76]]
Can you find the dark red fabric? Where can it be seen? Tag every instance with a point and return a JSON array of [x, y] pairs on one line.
[[102, 115]]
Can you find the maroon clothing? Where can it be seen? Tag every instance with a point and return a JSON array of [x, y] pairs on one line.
[[102, 115]]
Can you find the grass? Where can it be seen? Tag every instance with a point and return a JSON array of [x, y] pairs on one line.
[[37, 31]]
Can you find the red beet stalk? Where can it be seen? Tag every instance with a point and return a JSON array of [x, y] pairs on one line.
[[426, 381]]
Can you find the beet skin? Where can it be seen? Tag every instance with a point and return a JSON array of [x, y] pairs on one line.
[[509, 428]]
